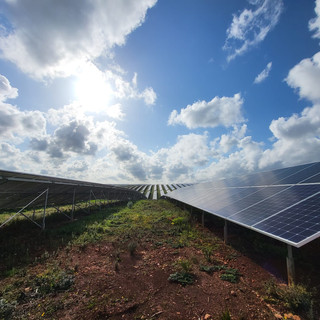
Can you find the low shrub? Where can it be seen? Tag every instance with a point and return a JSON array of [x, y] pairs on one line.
[[6, 309], [296, 297], [53, 281], [231, 275], [184, 278]]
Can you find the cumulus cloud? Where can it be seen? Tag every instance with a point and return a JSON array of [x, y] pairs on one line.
[[51, 39], [297, 139], [225, 111], [123, 89], [305, 77], [6, 90], [314, 24], [251, 26], [263, 74], [16, 124], [230, 140]]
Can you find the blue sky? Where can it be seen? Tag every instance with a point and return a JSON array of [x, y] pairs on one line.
[[158, 91]]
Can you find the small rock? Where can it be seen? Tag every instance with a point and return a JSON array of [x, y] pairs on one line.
[[278, 316], [207, 316], [233, 293]]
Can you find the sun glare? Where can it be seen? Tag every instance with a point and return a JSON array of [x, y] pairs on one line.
[[92, 90]]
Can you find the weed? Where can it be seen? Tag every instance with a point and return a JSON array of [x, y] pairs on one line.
[[132, 246], [130, 205], [208, 269], [184, 265], [6, 309], [53, 281], [225, 315], [183, 278], [207, 251], [295, 297], [231, 275], [180, 223]]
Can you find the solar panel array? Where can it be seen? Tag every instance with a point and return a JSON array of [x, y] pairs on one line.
[[283, 204], [17, 189], [154, 192]]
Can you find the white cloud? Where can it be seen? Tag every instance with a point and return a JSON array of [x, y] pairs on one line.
[[6, 90], [250, 27], [314, 24], [305, 77], [51, 39], [230, 140], [123, 89], [225, 111], [149, 96], [298, 139], [263, 74], [17, 125]]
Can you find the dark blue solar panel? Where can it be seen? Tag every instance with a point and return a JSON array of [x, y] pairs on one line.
[[279, 203], [295, 224], [313, 179], [259, 194], [303, 174], [274, 204]]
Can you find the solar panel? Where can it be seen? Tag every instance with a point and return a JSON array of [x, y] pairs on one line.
[[298, 224], [283, 203], [273, 204]]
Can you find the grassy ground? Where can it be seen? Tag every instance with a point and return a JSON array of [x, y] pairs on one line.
[[134, 262]]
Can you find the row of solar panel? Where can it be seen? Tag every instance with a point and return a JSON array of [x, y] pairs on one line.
[[156, 191], [17, 190], [283, 210]]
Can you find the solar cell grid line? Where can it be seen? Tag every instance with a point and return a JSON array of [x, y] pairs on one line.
[[274, 204], [300, 173], [212, 198], [297, 225], [251, 199], [313, 179], [194, 193], [303, 199], [227, 199]]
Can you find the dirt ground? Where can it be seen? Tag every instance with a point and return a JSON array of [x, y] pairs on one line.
[[137, 287], [111, 282]]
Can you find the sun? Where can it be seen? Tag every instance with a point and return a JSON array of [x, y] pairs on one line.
[[92, 90]]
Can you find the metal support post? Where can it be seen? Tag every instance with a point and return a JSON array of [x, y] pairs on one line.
[[90, 201], [202, 218], [225, 232], [44, 210], [20, 211], [73, 204], [290, 267]]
